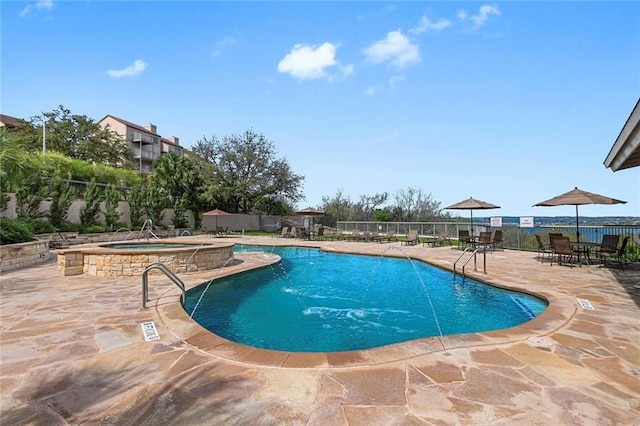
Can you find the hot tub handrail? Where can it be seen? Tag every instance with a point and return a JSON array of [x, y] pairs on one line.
[[118, 230], [168, 273]]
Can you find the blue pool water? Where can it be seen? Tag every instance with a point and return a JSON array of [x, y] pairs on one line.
[[146, 246], [314, 301]]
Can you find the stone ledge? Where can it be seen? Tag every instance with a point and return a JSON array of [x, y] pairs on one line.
[[23, 255]]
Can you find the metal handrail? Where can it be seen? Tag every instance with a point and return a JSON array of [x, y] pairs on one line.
[[168, 273], [472, 256]]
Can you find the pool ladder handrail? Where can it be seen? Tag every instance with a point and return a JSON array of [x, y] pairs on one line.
[[168, 273], [148, 225], [474, 251]]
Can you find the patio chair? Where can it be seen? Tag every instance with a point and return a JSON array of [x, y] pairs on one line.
[[293, 232], [496, 241], [563, 250], [543, 249], [609, 244], [411, 239], [619, 256], [303, 234], [464, 238], [484, 241]]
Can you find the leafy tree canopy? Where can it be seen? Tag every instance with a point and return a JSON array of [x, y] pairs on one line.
[[74, 136], [246, 169]]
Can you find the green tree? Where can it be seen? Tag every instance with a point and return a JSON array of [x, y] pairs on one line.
[[337, 207], [93, 196], [62, 195], [245, 169], [15, 165], [30, 192], [156, 202], [111, 199], [176, 177], [136, 197], [413, 205], [75, 136]]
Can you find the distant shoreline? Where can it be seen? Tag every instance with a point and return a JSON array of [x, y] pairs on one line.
[[568, 220]]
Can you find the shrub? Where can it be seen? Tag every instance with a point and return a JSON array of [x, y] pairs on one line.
[[67, 226], [94, 229], [14, 231], [42, 227]]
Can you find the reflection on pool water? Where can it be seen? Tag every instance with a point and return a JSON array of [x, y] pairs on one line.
[[314, 301]]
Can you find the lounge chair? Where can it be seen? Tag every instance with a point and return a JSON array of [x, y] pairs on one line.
[[337, 234], [563, 250], [285, 231], [618, 256], [319, 233], [543, 249], [411, 239], [442, 238], [387, 237]]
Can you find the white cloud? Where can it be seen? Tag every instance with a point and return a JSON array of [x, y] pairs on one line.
[[369, 91], [225, 43], [308, 62], [395, 48], [132, 70], [481, 18], [427, 25], [38, 5]]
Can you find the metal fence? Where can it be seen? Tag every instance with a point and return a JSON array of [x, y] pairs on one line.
[[514, 237]]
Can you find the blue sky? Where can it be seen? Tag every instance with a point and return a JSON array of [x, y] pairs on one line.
[[508, 102]]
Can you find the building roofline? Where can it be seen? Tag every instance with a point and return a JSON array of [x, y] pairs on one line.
[[625, 152]]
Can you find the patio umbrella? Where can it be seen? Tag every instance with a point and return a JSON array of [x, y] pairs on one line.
[[308, 212], [577, 197], [472, 204], [216, 213]]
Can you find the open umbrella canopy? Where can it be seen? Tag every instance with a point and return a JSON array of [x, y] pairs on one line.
[[216, 213], [472, 204], [309, 212], [577, 197]]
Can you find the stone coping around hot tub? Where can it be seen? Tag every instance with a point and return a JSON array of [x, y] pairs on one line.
[[557, 314], [98, 259]]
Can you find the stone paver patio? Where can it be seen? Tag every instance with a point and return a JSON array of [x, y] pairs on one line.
[[72, 352]]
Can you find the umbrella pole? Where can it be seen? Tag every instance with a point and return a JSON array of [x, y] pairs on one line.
[[577, 225]]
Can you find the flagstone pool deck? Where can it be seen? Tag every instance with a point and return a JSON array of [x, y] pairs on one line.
[[72, 352]]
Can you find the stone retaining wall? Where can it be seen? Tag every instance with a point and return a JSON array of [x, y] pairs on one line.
[[103, 262], [22, 255]]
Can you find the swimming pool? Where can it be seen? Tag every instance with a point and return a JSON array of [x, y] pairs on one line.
[[315, 301]]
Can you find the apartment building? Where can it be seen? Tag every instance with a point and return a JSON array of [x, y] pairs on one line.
[[145, 142], [10, 122]]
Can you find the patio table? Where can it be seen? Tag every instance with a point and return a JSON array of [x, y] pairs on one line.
[[584, 247]]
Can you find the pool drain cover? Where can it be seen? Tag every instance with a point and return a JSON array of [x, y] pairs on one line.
[[149, 330]]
